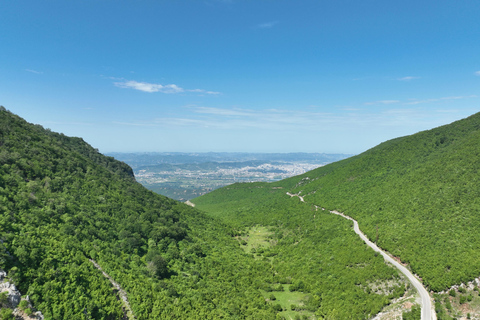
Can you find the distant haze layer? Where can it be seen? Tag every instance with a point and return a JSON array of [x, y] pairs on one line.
[[184, 176]]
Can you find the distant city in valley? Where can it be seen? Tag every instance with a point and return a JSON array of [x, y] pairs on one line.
[[184, 176]]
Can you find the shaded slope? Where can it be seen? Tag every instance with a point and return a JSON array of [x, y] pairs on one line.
[[63, 203]]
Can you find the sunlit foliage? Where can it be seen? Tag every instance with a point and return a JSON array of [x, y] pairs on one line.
[[62, 203]]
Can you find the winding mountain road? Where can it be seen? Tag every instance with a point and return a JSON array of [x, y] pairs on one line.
[[428, 313]]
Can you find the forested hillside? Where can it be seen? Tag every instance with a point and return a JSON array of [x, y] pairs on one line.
[[62, 204], [315, 248], [421, 191]]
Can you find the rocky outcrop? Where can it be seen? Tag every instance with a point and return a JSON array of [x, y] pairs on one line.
[[13, 300], [13, 295], [21, 315]]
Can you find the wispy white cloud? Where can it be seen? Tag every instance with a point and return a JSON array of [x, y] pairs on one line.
[[447, 110], [267, 25], [388, 101], [203, 91], [381, 102], [154, 87], [477, 73], [409, 78], [291, 122], [225, 112], [235, 118], [415, 101], [149, 87], [33, 71], [68, 123]]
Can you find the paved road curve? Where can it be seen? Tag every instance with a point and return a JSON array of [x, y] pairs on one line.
[[427, 312]]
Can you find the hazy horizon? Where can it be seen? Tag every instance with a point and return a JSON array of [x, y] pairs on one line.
[[223, 76]]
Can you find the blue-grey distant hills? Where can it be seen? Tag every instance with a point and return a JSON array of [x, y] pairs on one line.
[[137, 159], [184, 176]]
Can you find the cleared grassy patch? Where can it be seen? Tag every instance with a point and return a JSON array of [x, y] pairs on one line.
[[286, 299], [256, 240]]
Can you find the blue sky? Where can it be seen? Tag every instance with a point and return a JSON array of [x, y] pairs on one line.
[[256, 76]]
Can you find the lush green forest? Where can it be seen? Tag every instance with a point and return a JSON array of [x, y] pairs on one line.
[[316, 249], [255, 251], [421, 191], [63, 203]]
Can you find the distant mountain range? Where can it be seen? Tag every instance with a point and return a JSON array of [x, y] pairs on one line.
[[183, 176], [140, 159]]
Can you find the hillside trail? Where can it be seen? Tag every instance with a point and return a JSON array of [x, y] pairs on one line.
[[428, 313], [123, 295]]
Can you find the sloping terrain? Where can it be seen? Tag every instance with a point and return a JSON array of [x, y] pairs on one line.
[[62, 204], [341, 277], [420, 192]]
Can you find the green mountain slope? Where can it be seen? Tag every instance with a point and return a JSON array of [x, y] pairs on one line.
[[315, 248], [62, 203], [421, 191]]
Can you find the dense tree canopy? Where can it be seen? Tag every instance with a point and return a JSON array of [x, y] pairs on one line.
[[316, 251], [63, 203], [422, 193]]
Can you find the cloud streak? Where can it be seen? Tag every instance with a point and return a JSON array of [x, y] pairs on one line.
[[409, 78], [381, 102], [154, 87], [275, 120], [416, 101], [33, 71], [400, 117], [224, 118], [267, 25]]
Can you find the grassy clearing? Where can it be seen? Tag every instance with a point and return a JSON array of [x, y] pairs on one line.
[[256, 240]]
